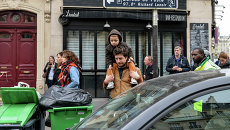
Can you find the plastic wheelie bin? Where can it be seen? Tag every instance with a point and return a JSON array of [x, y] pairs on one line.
[[20, 109], [65, 117]]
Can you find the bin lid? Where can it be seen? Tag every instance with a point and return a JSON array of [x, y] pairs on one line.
[[19, 95], [12, 114]]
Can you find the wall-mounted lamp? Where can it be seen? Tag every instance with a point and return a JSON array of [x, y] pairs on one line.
[[219, 18], [219, 11], [220, 6], [149, 26], [106, 25]]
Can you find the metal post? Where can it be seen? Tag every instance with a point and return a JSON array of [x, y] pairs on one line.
[[154, 40]]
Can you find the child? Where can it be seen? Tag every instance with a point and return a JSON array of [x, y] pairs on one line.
[[115, 39]]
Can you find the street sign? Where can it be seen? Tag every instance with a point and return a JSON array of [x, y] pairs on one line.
[[143, 4]]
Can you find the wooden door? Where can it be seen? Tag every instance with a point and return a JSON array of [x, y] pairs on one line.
[[18, 51]]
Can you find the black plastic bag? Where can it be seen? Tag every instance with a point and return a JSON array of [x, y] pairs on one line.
[[57, 96]]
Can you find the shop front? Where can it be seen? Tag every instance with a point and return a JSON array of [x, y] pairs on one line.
[[85, 32]]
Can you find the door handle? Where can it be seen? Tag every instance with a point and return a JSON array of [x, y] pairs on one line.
[[3, 67], [26, 72]]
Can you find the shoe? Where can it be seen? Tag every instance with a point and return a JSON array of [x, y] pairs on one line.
[[110, 85], [133, 81]]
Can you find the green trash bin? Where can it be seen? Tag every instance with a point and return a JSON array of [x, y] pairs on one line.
[[19, 106], [66, 117]]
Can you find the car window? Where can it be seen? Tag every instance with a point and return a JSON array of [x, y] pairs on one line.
[[211, 111]]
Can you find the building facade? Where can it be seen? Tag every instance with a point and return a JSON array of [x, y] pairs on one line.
[[31, 31], [29, 34]]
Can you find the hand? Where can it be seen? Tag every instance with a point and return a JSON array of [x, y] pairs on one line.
[[110, 67], [175, 67], [131, 59], [134, 75], [144, 76], [108, 79], [179, 69]]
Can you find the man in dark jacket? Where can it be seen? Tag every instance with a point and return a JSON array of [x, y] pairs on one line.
[[177, 63], [149, 70]]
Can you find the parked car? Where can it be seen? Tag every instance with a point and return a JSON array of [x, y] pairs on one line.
[[190, 100]]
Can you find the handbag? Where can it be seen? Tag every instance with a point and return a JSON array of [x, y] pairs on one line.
[[44, 74]]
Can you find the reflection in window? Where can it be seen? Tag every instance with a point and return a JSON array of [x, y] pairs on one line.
[[29, 19], [27, 36], [4, 36], [206, 117], [3, 18], [15, 18]]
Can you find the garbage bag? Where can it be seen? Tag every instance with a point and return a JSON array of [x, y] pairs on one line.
[[57, 96]]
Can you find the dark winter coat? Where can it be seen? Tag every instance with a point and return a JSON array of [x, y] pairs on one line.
[[48, 71], [183, 63], [226, 65], [110, 58]]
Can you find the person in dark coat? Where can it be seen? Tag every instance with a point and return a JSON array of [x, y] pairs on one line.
[[49, 69], [177, 63], [224, 61], [58, 69], [149, 70]]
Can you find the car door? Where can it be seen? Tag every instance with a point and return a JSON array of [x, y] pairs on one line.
[[205, 112]]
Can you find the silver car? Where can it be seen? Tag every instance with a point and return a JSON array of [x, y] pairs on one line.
[[185, 101]]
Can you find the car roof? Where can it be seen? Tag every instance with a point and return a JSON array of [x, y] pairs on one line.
[[185, 85]]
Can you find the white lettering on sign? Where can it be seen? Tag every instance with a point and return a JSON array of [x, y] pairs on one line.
[[198, 27], [72, 14], [175, 18]]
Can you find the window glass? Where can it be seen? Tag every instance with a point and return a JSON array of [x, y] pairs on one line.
[[27, 36], [178, 40], [130, 40], [4, 36], [15, 18], [167, 49], [207, 112], [101, 45], [3, 18], [87, 50], [73, 42], [141, 41], [29, 19]]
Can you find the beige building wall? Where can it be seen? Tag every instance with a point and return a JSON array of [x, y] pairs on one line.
[[199, 11], [49, 30]]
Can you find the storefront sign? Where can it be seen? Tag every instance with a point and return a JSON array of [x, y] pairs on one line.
[[199, 36], [148, 4], [172, 17], [71, 13]]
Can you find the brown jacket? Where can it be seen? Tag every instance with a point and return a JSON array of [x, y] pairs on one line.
[[123, 84], [110, 59]]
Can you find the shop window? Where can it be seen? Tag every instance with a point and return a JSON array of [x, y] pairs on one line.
[[4, 36], [15, 18], [73, 42], [88, 50], [3, 18], [27, 36], [29, 19], [101, 45], [167, 49]]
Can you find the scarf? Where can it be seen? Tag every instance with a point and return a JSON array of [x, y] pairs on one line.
[[64, 76]]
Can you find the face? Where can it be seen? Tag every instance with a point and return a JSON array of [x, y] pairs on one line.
[[121, 60], [51, 60], [222, 61], [64, 59], [59, 59], [147, 61], [196, 56], [114, 40], [177, 52]]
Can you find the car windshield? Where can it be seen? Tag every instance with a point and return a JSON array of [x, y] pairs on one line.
[[128, 105]]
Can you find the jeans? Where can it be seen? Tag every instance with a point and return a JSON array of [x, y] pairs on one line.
[[49, 83]]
